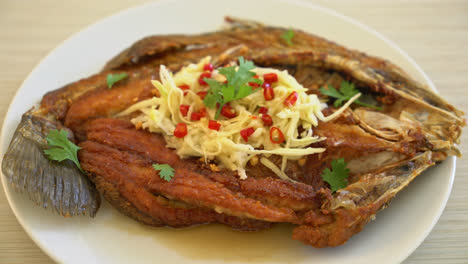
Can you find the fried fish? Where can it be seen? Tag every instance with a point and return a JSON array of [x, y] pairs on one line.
[[384, 149]]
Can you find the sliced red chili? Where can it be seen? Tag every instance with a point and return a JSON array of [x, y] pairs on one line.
[[214, 125], [267, 120], [184, 86], [202, 94], [228, 111], [270, 78], [180, 130], [291, 99], [268, 93], [263, 110], [184, 109], [201, 80], [246, 133], [254, 85], [276, 136], [208, 67], [195, 116], [202, 112]]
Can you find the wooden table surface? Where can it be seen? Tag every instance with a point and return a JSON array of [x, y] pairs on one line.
[[434, 33]]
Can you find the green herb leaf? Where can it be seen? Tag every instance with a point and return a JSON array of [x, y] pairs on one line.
[[214, 95], [237, 86], [288, 36], [113, 78], [166, 172], [61, 148], [347, 91], [337, 176]]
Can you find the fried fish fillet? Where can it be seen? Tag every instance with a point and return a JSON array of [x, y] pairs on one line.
[[384, 150]]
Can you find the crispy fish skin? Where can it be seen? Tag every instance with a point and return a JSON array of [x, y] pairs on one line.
[[354, 206], [415, 129]]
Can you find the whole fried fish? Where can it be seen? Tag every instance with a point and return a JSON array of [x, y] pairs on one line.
[[385, 149]]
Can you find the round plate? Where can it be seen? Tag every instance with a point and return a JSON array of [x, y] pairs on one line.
[[114, 238]]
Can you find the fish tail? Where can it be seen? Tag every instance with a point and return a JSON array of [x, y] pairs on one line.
[[50, 184]]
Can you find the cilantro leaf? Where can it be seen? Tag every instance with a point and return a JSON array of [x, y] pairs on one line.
[[61, 148], [332, 92], [214, 95], [288, 36], [113, 78], [346, 92], [237, 86], [337, 177], [166, 172]]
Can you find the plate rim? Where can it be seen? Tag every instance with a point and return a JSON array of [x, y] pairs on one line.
[[299, 3]]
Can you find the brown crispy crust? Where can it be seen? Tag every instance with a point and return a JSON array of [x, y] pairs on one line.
[[119, 153], [112, 195]]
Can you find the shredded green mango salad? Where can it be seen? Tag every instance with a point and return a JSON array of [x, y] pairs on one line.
[[265, 111]]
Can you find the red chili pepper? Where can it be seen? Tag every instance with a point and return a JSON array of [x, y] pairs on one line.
[[270, 78], [214, 125], [195, 116], [267, 120], [184, 109], [201, 81], [263, 110], [246, 133], [208, 67], [180, 130], [268, 93], [202, 94], [291, 99], [276, 136], [184, 86], [254, 85], [228, 111], [202, 112]]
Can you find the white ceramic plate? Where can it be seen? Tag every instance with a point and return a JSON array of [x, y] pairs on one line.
[[113, 238]]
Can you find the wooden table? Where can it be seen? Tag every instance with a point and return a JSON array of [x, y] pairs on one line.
[[434, 33]]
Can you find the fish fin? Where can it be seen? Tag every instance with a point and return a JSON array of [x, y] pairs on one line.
[[234, 22], [381, 186], [356, 205]]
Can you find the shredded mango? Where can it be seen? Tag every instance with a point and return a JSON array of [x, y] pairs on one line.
[[226, 146]]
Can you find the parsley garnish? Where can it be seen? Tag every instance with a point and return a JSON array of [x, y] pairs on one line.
[[347, 90], [288, 36], [237, 86], [61, 148], [166, 172], [337, 177], [113, 78]]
